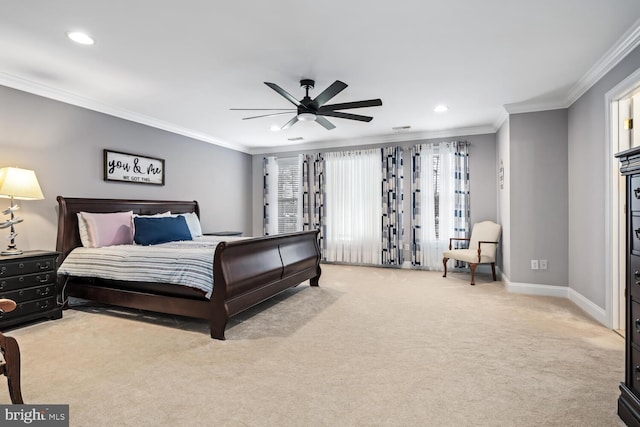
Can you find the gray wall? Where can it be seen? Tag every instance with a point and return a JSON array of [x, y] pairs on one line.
[[482, 168], [538, 196], [504, 198], [64, 144], [587, 181]]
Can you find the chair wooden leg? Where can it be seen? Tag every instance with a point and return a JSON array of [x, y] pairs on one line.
[[473, 273], [493, 270], [12, 367], [444, 261]]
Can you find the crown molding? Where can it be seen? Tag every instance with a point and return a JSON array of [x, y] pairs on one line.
[[395, 138], [91, 104], [625, 44]]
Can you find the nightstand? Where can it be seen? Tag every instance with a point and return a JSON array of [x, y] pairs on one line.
[[30, 280], [223, 233]]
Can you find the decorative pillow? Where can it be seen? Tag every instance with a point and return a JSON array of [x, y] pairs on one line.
[[193, 223], [152, 231], [108, 229]]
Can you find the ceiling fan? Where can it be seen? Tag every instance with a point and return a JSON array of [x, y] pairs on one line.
[[316, 109]]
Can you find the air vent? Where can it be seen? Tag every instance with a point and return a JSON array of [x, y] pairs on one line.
[[398, 128], [297, 138]]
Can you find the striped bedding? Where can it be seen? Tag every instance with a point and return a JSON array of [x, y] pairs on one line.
[[188, 263]]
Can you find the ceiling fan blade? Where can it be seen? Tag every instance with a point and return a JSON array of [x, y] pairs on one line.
[[262, 109], [348, 105], [266, 115], [342, 115], [335, 88], [283, 93], [290, 123], [324, 123]]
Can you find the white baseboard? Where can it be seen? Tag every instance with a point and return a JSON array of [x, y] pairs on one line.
[[536, 289], [593, 310]]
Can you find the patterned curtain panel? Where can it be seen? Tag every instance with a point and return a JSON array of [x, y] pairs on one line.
[[439, 200], [313, 195], [392, 206], [270, 196], [462, 208]]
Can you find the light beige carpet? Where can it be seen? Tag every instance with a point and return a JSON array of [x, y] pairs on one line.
[[370, 347]]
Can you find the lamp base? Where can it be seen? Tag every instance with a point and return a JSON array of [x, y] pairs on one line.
[[11, 251]]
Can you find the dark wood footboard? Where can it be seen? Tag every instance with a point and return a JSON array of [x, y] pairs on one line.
[[246, 272]]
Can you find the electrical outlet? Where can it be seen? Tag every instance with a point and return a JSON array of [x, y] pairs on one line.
[[543, 264], [406, 247], [534, 264]]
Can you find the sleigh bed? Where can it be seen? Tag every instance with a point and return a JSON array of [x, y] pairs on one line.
[[245, 272]]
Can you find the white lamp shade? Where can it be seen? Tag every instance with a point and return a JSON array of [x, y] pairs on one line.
[[20, 184]]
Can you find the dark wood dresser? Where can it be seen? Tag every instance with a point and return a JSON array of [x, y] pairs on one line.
[[30, 280], [629, 400]]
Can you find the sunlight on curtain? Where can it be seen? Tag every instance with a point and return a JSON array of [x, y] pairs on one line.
[[353, 206]]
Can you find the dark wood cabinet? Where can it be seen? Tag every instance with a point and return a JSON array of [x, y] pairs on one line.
[[30, 280], [629, 400]]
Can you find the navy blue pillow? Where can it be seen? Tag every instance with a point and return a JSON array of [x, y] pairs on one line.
[[152, 231]]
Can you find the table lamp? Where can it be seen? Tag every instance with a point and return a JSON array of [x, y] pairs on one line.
[[21, 184]]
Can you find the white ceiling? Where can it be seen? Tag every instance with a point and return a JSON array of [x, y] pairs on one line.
[[181, 65]]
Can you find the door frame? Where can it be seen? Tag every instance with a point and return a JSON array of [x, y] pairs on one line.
[[615, 263]]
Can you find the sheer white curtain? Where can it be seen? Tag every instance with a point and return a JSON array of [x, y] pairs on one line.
[[439, 196], [353, 207]]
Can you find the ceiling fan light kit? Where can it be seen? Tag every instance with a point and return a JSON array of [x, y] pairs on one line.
[[316, 109]]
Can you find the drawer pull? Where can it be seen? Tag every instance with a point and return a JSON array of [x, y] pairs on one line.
[[3, 284], [41, 280], [47, 291], [637, 231], [637, 373], [3, 270], [636, 193], [46, 266], [45, 305]]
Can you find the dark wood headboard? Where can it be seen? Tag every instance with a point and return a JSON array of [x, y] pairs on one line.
[[68, 235]]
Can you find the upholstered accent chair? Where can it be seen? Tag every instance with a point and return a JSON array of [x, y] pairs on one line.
[[483, 245], [10, 357]]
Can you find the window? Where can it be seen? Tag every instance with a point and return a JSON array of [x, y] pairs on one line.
[[283, 195], [289, 195]]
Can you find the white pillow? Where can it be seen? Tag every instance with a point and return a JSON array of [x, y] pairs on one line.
[[193, 223], [162, 214], [84, 233]]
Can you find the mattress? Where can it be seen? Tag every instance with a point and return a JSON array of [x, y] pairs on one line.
[[185, 263]]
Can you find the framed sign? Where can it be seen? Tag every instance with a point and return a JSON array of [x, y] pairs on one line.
[[133, 168]]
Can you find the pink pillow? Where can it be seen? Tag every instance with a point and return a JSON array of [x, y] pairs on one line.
[[109, 228]]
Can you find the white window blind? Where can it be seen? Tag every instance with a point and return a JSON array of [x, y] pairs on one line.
[[289, 195]]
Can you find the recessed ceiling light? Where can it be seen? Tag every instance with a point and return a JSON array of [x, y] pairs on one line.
[[80, 37], [274, 128], [441, 108]]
